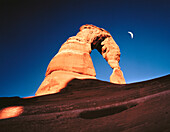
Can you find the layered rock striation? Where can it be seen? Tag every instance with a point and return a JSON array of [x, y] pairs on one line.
[[73, 59]]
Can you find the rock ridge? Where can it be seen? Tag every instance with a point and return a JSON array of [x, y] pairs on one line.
[[73, 59]]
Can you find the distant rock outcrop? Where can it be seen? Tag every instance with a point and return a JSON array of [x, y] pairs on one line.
[[73, 59]]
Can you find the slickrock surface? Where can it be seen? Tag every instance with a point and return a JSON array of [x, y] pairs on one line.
[[74, 58], [11, 111], [91, 105]]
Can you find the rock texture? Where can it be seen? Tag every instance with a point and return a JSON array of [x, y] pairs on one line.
[[12, 111], [91, 105], [73, 59]]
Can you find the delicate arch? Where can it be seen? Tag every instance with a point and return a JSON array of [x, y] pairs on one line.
[[73, 59]]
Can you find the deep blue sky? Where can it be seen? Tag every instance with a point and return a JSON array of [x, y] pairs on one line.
[[31, 33]]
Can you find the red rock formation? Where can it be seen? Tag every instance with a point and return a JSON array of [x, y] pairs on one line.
[[73, 59], [12, 111]]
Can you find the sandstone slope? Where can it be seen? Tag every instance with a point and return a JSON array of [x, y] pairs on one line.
[[93, 105]]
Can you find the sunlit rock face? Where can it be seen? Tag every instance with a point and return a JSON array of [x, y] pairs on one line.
[[12, 111], [73, 59]]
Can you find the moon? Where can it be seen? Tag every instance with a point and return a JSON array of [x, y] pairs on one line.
[[131, 34]]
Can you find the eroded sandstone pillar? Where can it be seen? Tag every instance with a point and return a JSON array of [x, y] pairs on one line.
[[73, 59]]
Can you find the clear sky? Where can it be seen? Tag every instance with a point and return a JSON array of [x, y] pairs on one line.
[[32, 31]]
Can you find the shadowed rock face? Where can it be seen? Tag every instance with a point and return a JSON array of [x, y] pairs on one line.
[[93, 105], [73, 59]]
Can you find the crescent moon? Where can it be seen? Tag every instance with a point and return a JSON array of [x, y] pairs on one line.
[[131, 34]]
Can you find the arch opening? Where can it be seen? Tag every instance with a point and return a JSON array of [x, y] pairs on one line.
[[102, 68]]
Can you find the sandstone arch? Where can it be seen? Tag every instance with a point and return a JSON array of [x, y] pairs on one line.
[[73, 59]]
